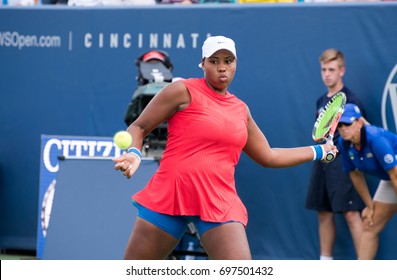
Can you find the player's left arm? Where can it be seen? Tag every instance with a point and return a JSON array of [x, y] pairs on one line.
[[258, 149]]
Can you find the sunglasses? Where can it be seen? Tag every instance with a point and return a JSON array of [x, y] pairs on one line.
[[344, 124]]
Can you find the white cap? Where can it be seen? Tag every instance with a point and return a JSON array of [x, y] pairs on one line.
[[215, 43]]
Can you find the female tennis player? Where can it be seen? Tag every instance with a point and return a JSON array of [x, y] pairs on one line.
[[373, 150], [208, 127]]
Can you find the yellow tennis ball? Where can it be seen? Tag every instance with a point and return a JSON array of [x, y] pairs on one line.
[[122, 139]]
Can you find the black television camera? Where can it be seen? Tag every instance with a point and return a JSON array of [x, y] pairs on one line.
[[154, 73]]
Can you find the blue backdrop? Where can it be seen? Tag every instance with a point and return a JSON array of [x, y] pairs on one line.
[[70, 71]]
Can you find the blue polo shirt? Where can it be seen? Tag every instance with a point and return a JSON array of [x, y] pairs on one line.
[[376, 156]]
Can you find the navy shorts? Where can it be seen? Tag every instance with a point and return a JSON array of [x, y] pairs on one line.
[[331, 189], [174, 225]]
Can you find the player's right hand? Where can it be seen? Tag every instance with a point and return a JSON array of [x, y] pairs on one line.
[[330, 152], [127, 163]]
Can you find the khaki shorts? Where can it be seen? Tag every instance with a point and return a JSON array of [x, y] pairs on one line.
[[385, 193]]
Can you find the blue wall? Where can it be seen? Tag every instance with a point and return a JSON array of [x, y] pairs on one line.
[[80, 78]]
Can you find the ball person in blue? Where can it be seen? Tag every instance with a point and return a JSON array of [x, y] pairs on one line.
[[368, 149]]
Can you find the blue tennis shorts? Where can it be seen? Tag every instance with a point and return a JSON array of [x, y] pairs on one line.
[[174, 225]]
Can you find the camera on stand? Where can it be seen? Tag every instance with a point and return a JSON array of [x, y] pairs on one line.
[[154, 73]]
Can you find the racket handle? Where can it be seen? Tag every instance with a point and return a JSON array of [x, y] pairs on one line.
[[330, 156]]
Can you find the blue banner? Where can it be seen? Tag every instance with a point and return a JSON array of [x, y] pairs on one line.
[[71, 71], [53, 147]]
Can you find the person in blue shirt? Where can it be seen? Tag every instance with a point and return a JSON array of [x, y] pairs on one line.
[[368, 149]]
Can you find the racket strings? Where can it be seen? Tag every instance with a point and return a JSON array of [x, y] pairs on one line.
[[328, 117]]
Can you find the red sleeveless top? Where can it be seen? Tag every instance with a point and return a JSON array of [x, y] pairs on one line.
[[196, 172]]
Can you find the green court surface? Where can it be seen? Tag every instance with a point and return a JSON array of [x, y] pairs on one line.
[[17, 255]]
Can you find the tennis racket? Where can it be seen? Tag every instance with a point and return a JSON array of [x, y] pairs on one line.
[[327, 122]]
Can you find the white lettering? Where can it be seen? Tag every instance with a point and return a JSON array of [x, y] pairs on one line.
[[77, 148], [105, 40], [154, 40], [105, 147], [194, 39], [101, 40], [91, 148], [114, 40], [167, 40], [47, 152], [390, 97], [140, 40], [87, 40], [66, 147], [151, 41], [126, 40], [181, 42]]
